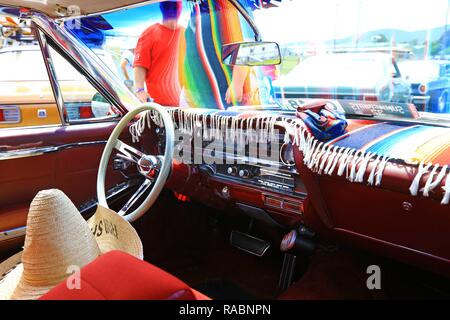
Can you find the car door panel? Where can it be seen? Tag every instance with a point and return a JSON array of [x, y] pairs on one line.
[[34, 159]]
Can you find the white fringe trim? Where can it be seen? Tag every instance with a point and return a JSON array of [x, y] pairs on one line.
[[446, 197], [414, 188], [320, 157], [426, 190]]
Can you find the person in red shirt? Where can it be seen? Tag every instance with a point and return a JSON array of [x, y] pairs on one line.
[[157, 57]]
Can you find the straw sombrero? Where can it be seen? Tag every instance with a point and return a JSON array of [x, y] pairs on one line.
[[56, 240]]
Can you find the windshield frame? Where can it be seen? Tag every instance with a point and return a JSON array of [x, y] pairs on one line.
[[90, 65]]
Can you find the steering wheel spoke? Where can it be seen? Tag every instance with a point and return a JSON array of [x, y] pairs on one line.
[[127, 152], [139, 192]]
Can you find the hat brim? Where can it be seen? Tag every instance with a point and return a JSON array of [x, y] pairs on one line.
[[111, 231], [11, 271]]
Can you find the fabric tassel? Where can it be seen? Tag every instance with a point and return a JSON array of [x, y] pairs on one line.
[[331, 159], [313, 157], [325, 158], [317, 160], [426, 189], [339, 155], [379, 174], [414, 188], [371, 179], [359, 156], [446, 197], [310, 150], [439, 178], [344, 161], [362, 169]]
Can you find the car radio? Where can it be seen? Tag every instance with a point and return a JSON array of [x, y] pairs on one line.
[[271, 177]]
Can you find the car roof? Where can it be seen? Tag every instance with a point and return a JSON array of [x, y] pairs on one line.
[[53, 7]]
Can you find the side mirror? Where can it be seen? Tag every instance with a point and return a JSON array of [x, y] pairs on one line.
[[99, 106], [251, 54]]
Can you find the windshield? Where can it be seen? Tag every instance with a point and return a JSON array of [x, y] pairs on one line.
[[344, 69], [320, 39], [170, 52], [353, 50]]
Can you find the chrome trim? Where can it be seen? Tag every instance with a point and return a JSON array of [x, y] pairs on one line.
[[34, 152], [420, 98], [111, 193], [12, 233], [112, 118], [32, 127], [91, 66], [50, 71]]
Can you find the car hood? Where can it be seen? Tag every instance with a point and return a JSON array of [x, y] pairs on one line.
[[330, 81], [50, 7]]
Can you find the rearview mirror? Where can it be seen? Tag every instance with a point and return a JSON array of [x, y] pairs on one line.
[[251, 54]]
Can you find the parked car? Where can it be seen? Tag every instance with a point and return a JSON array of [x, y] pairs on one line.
[[26, 94], [430, 84], [349, 76]]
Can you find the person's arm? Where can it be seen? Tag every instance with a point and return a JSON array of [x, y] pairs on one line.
[[123, 65], [139, 83], [236, 89], [141, 64]]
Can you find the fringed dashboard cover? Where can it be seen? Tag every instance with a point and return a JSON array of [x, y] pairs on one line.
[[364, 142]]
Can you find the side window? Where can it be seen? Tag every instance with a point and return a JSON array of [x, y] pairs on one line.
[[82, 102], [26, 95]]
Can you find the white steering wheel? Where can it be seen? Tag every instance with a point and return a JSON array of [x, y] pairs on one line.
[[155, 169]]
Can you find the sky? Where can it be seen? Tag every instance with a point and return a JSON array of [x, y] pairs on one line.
[[319, 20]]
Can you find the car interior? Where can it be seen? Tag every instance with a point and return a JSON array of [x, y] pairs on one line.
[[260, 182]]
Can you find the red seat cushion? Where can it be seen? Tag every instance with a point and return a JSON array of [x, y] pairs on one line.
[[120, 276]]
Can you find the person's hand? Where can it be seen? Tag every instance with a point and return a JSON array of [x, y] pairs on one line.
[[235, 92], [143, 96]]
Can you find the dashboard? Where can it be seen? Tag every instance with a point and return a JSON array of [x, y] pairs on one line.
[[269, 189]]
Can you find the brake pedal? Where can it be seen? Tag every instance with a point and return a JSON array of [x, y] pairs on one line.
[[248, 243]]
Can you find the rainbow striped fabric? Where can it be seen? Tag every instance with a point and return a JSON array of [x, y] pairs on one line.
[[412, 143], [204, 79]]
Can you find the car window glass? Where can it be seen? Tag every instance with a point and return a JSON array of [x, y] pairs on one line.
[[82, 102], [185, 66], [414, 34], [26, 95]]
